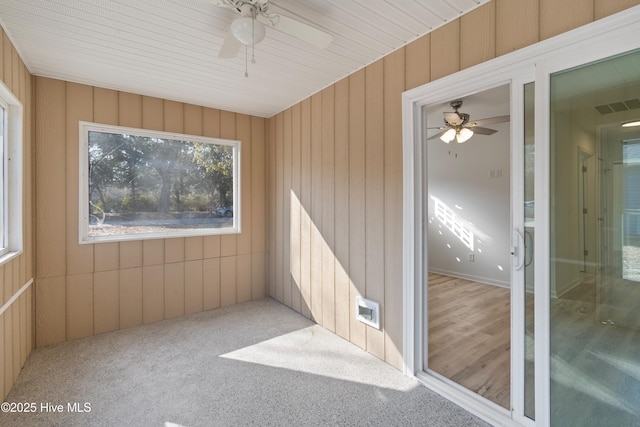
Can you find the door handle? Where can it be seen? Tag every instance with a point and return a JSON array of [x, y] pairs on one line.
[[516, 250], [528, 251]]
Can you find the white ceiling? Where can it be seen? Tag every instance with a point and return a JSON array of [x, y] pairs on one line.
[[168, 48]]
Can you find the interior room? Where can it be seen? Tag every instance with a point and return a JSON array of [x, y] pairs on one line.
[[237, 212], [468, 231]]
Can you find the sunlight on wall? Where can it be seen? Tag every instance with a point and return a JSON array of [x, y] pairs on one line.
[[448, 218]]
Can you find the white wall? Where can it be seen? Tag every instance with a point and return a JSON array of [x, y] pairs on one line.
[[472, 181]]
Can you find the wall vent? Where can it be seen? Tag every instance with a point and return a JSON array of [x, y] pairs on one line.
[[368, 312], [616, 107]]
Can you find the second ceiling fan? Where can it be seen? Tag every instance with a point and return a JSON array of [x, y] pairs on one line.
[[458, 127]]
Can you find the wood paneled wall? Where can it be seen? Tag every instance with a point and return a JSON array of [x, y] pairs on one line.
[[89, 289], [335, 168], [17, 320]]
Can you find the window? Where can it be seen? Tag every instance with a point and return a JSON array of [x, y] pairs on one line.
[[138, 184], [10, 174]]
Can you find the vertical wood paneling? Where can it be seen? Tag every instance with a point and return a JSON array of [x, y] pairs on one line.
[[305, 207], [152, 112], [316, 208], [604, 8], [228, 274], [173, 290], [273, 194], [6, 62], [105, 106], [374, 198], [106, 256], [357, 208], [328, 212], [4, 390], [243, 133], [445, 50], [50, 180], [278, 230], [79, 306], [130, 254], [517, 24], [3, 36], [130, 291], [258, 186], [153, 252], [7, 348], [287, 283], [295, 209], [193, 116], [193, 287], [243, 278], [258, 275], [478, 35], [228, 242], [152, 293], [211, 283], [51, 311], [173, 250], [211, 128], [558, 17], [394, 72], [418, 56], [211, 246], [193, 248], [211, 122], [132, 110], [106, 302], [341, 208]]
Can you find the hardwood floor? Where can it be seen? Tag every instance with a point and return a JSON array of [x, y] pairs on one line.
[[469, 335]]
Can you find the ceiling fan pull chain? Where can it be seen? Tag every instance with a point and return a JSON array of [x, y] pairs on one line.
[[246, 60]]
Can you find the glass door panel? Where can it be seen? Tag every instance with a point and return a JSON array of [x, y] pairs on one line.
[[468, 238], [529, 235], [595, 243]]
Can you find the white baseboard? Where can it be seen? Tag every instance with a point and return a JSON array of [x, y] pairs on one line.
[[473, 278]]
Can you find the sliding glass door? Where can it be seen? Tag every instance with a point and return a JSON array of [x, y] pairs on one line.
[[595, 243], [570, 261]]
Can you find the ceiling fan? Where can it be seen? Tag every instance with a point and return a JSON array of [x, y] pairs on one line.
[[458, 127], [249, 28]]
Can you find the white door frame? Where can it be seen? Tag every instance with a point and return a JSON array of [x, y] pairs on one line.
[[606, 37]]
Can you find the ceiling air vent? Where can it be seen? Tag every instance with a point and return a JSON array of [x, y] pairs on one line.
[[616, 107]]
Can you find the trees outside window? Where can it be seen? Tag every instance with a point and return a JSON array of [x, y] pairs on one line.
[[140, 184]]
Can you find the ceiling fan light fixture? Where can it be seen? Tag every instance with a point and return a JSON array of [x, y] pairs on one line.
[[448, 136], [463, 135], [247, 30]]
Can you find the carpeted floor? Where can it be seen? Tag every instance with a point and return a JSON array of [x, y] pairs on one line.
[[257, 363]]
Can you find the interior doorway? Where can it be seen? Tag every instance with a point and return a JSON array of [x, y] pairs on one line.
[[468, 237]]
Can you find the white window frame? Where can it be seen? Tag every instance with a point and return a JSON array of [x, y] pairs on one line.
[[83, 222], [12, 171]]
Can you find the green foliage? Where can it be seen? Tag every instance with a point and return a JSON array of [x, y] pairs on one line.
[[130, 174]]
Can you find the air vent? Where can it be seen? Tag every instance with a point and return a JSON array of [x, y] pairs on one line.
[[616, 107], [632, 104]]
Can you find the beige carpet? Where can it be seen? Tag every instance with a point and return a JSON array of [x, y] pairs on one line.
[[257, 363]]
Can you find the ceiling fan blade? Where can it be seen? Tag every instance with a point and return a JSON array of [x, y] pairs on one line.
[[437, 135], [230, 47], [490, 120], [453, 118], [483, 131], [297, 29]]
